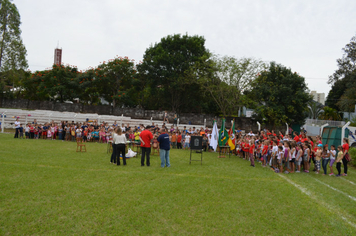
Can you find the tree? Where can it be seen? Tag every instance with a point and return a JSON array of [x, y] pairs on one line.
[[13, 61], [12, 50], [343, 82], [229, 79], [347, 100], [329, 114], [315, 109], [346, 64], [60, 83], [337, 90], [115, 81], [167, 69], [89, 91], [281, 96]]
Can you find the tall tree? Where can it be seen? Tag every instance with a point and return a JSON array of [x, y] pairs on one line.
[[346, 64], [166, 67], [60, 83], [347, 101], [115, 79], [230, 78], [337, 90], [343, 83], [281, 96], [12, 51], [329, 113], [315, 109]]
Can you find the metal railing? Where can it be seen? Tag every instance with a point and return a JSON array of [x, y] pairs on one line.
[[314, 122]]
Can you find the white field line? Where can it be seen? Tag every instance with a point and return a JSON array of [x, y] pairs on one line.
[[348, 181], [343, 215], [335, 189], [304, 190]]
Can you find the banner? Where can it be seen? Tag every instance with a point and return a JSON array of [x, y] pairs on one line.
[[231, 133], [223, 135], [214, 136]]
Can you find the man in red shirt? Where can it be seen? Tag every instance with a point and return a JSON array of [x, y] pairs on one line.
[[146, 137]]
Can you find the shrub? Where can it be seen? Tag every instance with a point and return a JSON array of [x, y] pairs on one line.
[[352, 152]]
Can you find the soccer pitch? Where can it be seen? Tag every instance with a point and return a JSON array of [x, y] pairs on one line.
[[47, 188]]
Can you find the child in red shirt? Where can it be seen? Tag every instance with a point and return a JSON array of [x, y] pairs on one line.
[[179, 141], [252, 151], [264, 153], [246, 149]]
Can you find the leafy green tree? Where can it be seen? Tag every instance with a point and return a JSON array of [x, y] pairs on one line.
[[343, 82], [347, 100], [115, 81], [346, 64], [88, 87], [315, 109], [13, 61], [230, 78], [167, 70], [60, 83], [281, 96], [337, 90], [329, 114]]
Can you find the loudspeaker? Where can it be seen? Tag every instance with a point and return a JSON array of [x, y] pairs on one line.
[[196, 143]]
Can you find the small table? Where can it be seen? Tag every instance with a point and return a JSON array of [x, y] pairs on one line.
[[222, 151], [197, 151]]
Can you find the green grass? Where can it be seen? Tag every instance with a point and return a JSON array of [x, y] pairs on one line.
[[47, 188]]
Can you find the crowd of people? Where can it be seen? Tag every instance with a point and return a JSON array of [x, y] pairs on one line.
[[163, 138], [292, 153]]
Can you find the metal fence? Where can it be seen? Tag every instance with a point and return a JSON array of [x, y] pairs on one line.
[[318, 123]]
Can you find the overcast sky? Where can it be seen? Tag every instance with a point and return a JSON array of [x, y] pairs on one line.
[[305, 35]]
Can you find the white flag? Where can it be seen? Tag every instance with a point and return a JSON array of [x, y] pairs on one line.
[[214, 136]]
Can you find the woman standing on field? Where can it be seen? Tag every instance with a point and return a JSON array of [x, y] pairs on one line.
[[119, 139], [346, 157]]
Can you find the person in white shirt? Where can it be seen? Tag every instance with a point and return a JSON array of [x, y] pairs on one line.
[[186, 141], [27, 131], [78, 132], [123, 128], [17, 126], [280, 158], [119, 145], [332, 159], [273, 160]]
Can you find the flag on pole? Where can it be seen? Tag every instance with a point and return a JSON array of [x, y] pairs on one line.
[[223, 135], [231, 133], [214, 136]]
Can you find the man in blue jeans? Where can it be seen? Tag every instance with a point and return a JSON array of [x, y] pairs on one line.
[[164, 146]]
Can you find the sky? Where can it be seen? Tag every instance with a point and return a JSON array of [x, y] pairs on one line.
[[304, 35]]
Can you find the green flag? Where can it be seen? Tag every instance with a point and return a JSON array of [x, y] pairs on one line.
[[223, 135]]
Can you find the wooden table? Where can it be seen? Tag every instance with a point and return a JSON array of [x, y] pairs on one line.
[[223, 150]]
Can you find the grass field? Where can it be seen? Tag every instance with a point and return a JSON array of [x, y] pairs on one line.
[[46, 188]]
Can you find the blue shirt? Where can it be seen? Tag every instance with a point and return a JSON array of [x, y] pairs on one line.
[[163, 140]]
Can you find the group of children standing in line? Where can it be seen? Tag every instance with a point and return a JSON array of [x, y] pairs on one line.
[[284, 153]]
